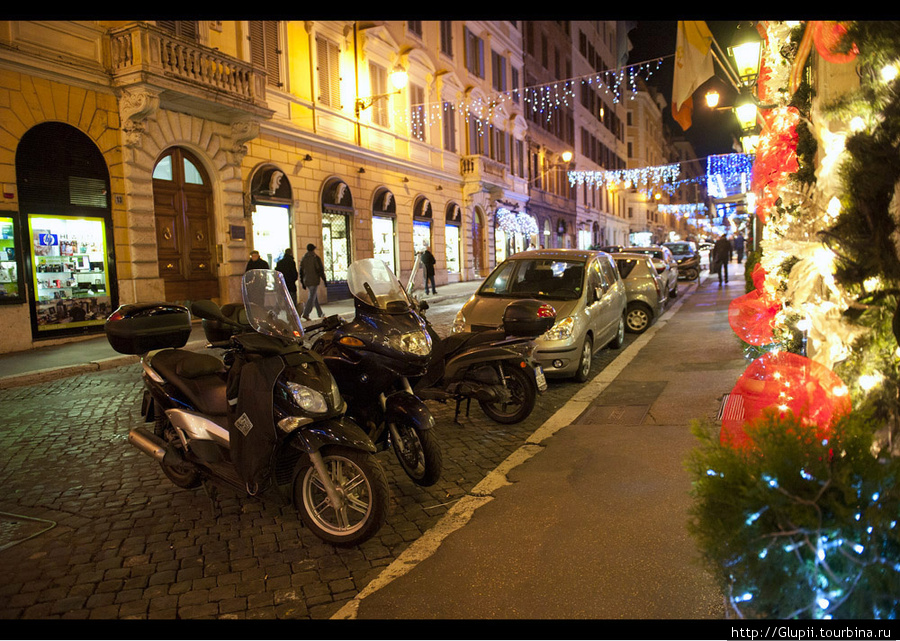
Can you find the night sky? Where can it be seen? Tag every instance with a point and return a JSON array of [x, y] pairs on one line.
[[711, 132]]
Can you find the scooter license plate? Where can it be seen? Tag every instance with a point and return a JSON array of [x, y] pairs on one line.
[[540, 378]]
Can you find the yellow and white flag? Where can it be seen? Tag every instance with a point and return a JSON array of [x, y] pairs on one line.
[[693, 67]]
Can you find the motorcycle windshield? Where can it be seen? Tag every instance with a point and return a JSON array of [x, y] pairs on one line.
[[270, 309], [372, 282]]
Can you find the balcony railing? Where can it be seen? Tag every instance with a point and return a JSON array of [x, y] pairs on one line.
[[152, 54], [482, 168]]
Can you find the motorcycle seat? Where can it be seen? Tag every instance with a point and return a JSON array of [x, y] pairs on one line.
[[455, 343], [200, 377]]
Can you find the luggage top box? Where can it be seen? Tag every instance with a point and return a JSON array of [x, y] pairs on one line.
[[139, 328], [528, 317]]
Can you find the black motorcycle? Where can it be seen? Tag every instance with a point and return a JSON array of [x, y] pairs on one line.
[[267, 418], [495, 367], [372, 358]]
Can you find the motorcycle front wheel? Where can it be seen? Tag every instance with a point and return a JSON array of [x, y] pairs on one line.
[[522, 394], [418, 452], [363, 496]]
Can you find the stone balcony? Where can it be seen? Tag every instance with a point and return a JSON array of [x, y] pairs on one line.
[[186, 75]]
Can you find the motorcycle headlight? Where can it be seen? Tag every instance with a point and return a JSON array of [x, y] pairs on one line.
[[417, 343], [307, 399], [561, 329]]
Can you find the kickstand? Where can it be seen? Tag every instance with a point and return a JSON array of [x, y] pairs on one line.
[[212, 493], [456, 414]]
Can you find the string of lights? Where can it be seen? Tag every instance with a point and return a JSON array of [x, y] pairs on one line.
[[545, 99]]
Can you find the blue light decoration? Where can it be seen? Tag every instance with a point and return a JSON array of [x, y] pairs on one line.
[[728, 174], [685, 210]]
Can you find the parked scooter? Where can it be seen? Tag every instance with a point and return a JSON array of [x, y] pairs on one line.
[[372, 358], [267, 419], [496, 367]]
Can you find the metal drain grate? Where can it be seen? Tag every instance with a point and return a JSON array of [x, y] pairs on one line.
[[15, 529], [614, 415]]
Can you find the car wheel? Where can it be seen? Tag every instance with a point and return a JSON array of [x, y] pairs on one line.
[[584, 363], [638, 318], [674, 291]]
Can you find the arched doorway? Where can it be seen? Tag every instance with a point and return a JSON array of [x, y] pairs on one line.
[[64, 198], [273, 230], [185, 230], [337, 250]]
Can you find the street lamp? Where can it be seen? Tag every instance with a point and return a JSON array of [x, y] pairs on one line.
[[747, 53], [398, 79]]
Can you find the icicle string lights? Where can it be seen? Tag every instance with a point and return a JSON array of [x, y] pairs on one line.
[[543, 99], [658, 177]]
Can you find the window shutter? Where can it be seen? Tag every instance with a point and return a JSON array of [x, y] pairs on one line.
[[264, 50], [328, 63]]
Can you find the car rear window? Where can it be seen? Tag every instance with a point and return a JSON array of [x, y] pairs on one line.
[[537, 278], [625, 266], [680, 248]]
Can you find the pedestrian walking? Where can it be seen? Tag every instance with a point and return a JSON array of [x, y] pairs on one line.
[[739, 247], [256, 262], [721, 254], [288, 268], [428, 261], [312, 273]]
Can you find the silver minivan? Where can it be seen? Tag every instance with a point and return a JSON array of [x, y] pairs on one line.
[[583, 286]]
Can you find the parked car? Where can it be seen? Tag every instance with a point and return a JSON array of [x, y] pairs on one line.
[[609, 249], [665, 265], [644, 289], [583, 286], [687, 257]]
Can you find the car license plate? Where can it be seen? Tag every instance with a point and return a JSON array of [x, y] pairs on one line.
[[539, 377]]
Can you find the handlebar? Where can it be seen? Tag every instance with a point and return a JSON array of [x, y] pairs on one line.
[[327, 323]]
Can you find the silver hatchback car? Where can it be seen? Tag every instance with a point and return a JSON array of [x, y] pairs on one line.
[[665, 265], [645, 289], [583, 286]]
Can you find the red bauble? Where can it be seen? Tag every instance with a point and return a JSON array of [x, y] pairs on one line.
[[752, 317], [827, 35], [783, 382]]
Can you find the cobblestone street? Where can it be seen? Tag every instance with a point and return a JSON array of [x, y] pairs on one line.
[[92, 529]]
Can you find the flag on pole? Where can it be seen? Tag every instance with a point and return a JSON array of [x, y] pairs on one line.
[[693, 67]]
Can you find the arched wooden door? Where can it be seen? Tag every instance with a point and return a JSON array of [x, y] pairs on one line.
[[185, 239]]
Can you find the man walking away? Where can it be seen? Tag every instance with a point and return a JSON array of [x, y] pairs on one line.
[[721, 254], [428, 261], [312, 272], [288, 268], [739, 247], [256, 262]]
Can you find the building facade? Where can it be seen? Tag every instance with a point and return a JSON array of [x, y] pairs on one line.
[[142, 161]]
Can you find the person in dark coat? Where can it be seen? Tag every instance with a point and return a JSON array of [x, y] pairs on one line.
[[739, 247], [428, 261], [288, 268], [312, 273], [256, 262], [721, 254]]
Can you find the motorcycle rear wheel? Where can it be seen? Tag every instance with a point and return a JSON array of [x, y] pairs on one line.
[[522, 397], [418, 452], [186, 475], [362, 485]]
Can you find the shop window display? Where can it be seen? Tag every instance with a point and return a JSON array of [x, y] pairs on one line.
[[71, 275]]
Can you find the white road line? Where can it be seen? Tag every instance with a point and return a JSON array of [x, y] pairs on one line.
[[460, 513]]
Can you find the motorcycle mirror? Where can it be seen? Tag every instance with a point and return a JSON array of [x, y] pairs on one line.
[[208, 310]]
